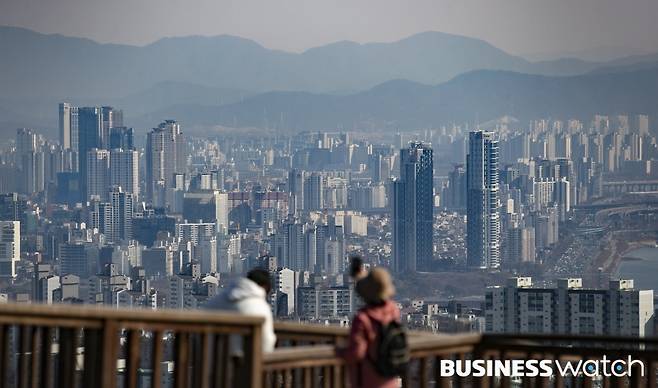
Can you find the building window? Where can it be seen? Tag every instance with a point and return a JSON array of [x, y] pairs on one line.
[[586, 303]]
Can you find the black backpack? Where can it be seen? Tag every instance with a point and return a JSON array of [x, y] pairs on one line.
[[392, 350]]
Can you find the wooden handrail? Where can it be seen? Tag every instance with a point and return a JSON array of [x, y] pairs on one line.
[[293, 334], [306, 356], [311, 334], [199, 344], [192, 317]]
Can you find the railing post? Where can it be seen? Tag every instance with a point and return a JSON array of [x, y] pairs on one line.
[[93, 358], [23, 343], [47, 373], [253, 351], [110, 345], [66, 356], [181, 359], [5, 354], [132, 359], [156, 358]]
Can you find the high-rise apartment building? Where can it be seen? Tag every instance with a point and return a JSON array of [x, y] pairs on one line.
[[124, 170], [519, 307], [12, 207], [122, 137], [111, 118], [318, 302], [122, 204], [289, 246], [314, 186], [30, 161], [482, 203], [90, 136], [165, 156], [413, 209], [296, 190], [455, 198], [97, 167], [10, 248], [68, 126]]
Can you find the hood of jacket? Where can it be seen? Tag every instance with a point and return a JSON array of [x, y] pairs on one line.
[[242, 289]]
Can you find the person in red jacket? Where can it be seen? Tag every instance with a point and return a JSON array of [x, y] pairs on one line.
[[376, 289]]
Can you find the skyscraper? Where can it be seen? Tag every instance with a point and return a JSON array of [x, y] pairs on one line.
[[111, 118], [26, 142], [122, 215], [124, 170], [314, 192], [413, 209], [165, 156], [90, 129], [65, 125], [296, 189], [30, 161], [122, 137], [289, 245], [97, 180], [483, 203], [10, 247], [456, 193]]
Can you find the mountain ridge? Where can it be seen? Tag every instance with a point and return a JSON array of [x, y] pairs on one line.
[[475, 97], [185, 73]]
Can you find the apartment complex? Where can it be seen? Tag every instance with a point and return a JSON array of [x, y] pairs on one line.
[[519, 307]]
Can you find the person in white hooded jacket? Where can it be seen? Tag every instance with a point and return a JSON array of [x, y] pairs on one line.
[[248, 296]]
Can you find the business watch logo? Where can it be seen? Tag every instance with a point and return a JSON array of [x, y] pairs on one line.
[[542, 368]]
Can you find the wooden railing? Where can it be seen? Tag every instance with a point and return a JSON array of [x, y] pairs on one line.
[[296, 334], [69, 347], [318, 366]]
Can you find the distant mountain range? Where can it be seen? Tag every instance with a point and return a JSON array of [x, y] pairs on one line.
[[475, 97], [594, 54], [226, 78], [55, 65]]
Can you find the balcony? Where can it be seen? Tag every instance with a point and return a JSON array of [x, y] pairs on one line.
[[65, 346]]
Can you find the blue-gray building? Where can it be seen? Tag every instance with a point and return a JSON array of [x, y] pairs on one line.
[[413, 210]]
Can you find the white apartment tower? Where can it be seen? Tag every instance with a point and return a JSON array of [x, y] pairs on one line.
[[10, 247]]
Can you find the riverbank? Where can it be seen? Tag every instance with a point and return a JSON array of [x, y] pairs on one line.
[[617, 247], [641, 265]]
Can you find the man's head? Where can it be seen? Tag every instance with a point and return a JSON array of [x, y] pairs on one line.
[[262, 278]]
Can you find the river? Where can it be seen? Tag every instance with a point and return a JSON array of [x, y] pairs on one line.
[[640, 265]]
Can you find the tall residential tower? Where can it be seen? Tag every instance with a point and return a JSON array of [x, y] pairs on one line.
[[165, 156], [413, 210], [482, 202]]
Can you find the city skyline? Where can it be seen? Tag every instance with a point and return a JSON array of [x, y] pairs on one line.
[[268, 193]]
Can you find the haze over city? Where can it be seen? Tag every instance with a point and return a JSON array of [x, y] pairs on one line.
[[327, 193], [551, 28]]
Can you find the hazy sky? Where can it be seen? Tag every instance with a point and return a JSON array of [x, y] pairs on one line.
[[518, 26]]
